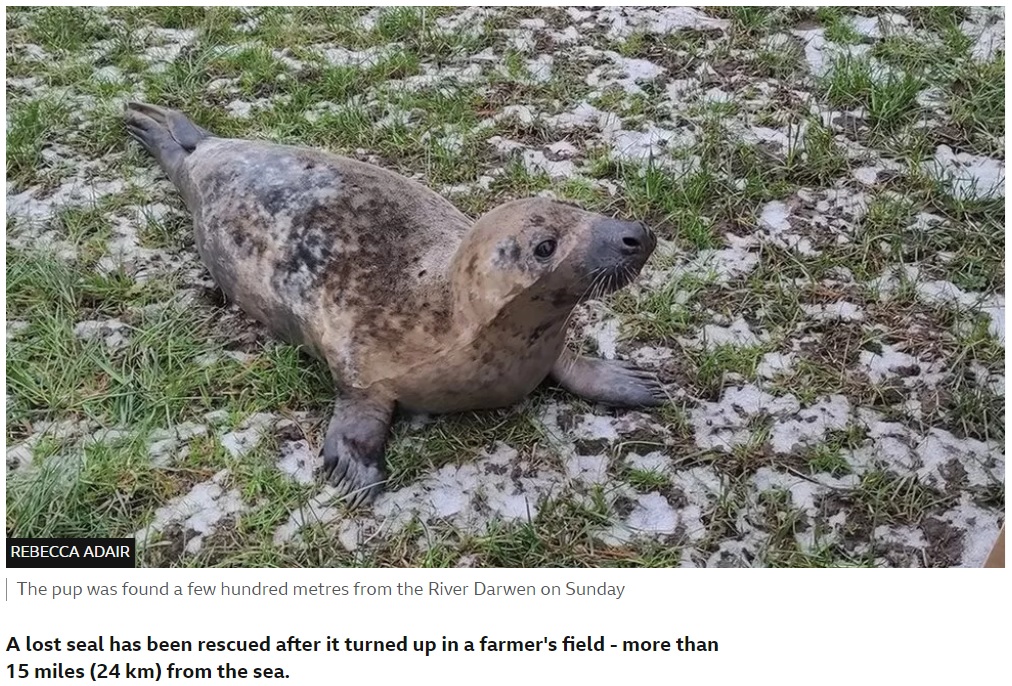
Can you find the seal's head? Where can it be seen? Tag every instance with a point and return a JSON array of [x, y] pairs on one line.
[[545, 255]]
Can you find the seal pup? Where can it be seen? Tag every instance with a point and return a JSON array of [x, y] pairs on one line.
[[407, 301]]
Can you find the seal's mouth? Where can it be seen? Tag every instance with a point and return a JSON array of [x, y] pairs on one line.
[[611, 279]]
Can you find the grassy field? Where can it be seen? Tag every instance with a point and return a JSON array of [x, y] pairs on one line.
[[826, 306]]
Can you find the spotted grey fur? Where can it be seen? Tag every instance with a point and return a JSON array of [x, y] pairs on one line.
[[407, 301]]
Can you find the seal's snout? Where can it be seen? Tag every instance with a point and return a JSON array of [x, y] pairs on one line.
[[636, 239], [619, 250], [627, 241]]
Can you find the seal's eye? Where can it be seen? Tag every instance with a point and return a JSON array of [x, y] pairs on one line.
[[544, 249]]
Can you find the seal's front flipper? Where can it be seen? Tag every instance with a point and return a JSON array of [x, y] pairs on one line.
[[608, 381], [353, 449]]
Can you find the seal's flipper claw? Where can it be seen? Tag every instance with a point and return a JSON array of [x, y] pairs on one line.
[[362, 496], [608, 381], [353, 451]]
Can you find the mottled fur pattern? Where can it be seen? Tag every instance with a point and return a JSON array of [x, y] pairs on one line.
[[301, 240]]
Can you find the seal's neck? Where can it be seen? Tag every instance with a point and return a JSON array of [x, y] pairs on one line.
[[473, 302], [479, 302], [497, 320]]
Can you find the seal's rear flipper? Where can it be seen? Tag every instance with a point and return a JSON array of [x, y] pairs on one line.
[[167, 134], [353, 449]]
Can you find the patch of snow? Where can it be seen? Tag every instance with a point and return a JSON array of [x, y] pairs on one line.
[[810, 425], [986, 28], [651, 356], [239, 109], [904, 536], [653, 514], [716, 95], [109, 331], [19, 456], [583, 115], [108, 74], [449, 492], [839, 311], [298, 461], [866, 175], [776, 42], [520, 40], [316, 511], [775, 226], [656, 462], [469, 22], [820, 52], [198, 512], [595, 427], [982, 464], [891, 363], [980, 530], [587, 469], [368, 20], [774, 217], [737, 334], [521, 113], [35, 205], [433, 76], [676, 90], [646, 145], [567, 36], [174, 40], [15, 327], [540, 68], [342, 57], [698, 483], [723, 265], [967, 176], [535, 162], [937, 292], [605, 335], [562, 150], [624, 21], [241, 441], [803, 491], [724, 424], [166, 446], [625, 72], [775, 364]]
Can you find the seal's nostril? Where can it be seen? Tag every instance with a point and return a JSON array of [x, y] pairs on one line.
[[627, 240], [635, 238]]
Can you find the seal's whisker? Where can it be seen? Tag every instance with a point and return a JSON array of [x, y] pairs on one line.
[[582, 298], [599, 286], [595, 274], [590, 293], [628, 274]]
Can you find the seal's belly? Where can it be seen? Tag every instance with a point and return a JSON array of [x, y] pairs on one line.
[[481, 378], [479, 394]]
